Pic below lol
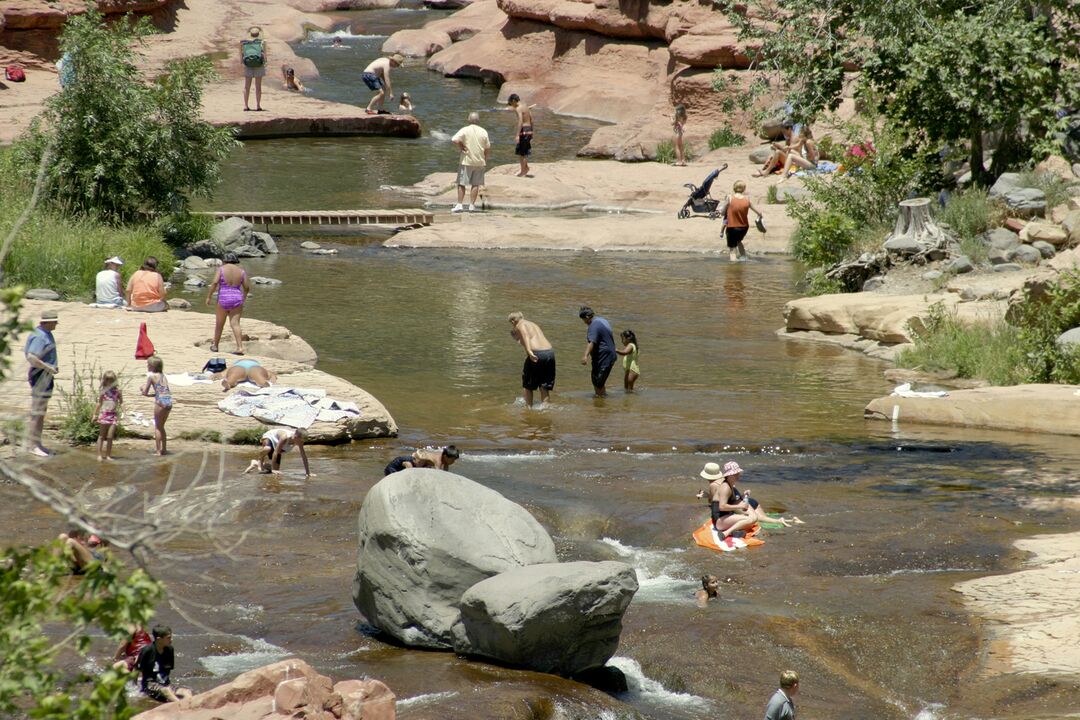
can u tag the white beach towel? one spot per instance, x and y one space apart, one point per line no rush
187 378
295 407
906 391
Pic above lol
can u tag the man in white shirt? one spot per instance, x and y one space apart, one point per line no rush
473 142
110 286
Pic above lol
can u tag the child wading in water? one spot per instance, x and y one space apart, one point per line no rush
163 402
631 371
677 130
107 412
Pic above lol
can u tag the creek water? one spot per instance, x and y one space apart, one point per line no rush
858 599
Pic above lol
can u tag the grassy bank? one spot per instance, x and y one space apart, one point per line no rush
64 254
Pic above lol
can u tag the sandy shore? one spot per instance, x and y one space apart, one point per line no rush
91 339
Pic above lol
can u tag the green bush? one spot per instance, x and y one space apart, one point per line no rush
665 152
80 426
823 238
248 436
180 229
969 214
771 195
829 149
212 436
988 352
1056 188
725 136
1041 319
64 254
119 145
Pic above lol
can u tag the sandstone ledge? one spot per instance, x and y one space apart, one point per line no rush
1051 409
90 338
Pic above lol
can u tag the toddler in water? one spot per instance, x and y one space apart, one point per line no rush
406 104
631 371
163 402
107 413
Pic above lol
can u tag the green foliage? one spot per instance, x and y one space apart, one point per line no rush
1041 319
823 238
38 591
180 229
213 436
725 136
123 146
770 195
80 426
248 436
989 352
816 283
1055 187
941 72
665 152
65 253
969 214
829 149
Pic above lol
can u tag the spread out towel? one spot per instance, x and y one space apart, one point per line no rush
295 407
707 537
906 391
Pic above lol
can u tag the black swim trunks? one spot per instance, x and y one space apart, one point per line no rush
539 374
600 371
524 143
735 236
397 464
373 81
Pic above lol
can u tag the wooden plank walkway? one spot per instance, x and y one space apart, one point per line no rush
408 216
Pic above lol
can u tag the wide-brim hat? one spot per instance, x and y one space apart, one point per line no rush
732 468
711 471
398 58
49 316
115 260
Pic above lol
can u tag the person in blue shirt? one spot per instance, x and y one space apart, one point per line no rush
40 354
600 346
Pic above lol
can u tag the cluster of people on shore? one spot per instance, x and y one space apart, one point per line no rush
601 353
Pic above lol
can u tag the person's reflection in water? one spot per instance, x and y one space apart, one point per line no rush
734 288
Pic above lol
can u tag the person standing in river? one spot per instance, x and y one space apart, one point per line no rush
737 221
781 706
599 347
539 368
472 140
377 77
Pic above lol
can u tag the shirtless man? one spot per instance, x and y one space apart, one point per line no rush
440 459
524 133
539 368
377 77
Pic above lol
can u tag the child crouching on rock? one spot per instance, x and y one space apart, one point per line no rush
275 443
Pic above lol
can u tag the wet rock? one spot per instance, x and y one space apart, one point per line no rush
559 618
932 275
206 249
193 262
1069 339
310 245
231 233
419 42
421 548
446 4
1025 254
41 294
323 251
1007 267
194 281
264 242
607 679
260 280
178 304
960 265
248 251
1044 248
1048 232
873 283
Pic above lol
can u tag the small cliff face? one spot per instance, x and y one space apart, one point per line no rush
624 62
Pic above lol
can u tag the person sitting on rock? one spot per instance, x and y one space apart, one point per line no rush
155 664
275 443
247 370
291 81
779 157
146 288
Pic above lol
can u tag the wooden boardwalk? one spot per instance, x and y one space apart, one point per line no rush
332 218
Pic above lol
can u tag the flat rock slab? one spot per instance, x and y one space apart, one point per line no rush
1027 408
92 340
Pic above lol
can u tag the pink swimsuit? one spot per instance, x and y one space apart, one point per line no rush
230 297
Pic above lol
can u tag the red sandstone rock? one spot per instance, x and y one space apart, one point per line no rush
477 17
422 42
638 19
33 14
314 6
710 51
286 689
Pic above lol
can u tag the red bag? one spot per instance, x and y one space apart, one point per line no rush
15 73
144 348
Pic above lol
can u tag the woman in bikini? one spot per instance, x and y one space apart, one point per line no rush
247 370
163 402
231 285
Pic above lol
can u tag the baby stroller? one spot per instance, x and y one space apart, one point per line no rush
700 203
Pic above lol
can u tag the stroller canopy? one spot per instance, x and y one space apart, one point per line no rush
703 191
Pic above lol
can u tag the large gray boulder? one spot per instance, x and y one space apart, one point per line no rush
265 242
1025 254
1070 339
1001 239
231 233
761 155
1006 183
427 536
557 618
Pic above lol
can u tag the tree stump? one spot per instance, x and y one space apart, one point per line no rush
915 223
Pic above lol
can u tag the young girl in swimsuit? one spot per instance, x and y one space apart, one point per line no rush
107 412
232 289
163 402
631 371
677 129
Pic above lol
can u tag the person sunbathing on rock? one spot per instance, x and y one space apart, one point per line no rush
247 370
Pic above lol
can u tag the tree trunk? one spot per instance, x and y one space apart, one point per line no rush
979 176
914 222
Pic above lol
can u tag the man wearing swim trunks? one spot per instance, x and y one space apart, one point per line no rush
377 77
524 133
600 346
539 368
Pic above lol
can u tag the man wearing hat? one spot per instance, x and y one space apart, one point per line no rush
728 512
377 77
40 353
110 286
